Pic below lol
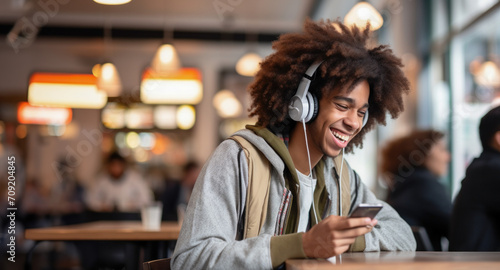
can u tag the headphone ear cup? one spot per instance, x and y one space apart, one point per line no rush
298 108
313 107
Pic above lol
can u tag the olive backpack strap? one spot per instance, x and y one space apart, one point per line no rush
345 183
259 180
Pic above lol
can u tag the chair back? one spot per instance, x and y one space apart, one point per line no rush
160 264
422 238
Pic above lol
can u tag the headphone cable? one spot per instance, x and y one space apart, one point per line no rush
340 183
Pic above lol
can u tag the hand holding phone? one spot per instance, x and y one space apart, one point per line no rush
366 210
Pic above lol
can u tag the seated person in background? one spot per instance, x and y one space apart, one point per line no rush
36 207
177 193
412 166
68 194
475 220
118 189
301 217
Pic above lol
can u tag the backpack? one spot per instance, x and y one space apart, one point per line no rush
259 180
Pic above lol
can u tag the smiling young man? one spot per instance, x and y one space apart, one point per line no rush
315 97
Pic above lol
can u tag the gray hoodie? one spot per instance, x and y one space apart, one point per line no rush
210 235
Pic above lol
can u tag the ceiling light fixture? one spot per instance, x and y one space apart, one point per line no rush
181 87
112 2
27 114
107 76
113 116
65 90
248 64
363 13
108 79
226 104
166 60
165 116
186 117
488 74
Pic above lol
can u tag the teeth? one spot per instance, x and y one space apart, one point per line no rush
343 138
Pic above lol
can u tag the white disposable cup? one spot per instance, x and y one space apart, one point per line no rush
151 216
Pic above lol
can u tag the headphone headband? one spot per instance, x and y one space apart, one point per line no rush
306 80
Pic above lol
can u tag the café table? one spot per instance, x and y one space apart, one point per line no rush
401 260
129 231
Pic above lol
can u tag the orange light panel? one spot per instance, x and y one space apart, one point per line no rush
65 90
181 87
27 114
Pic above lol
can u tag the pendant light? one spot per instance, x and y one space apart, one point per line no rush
363 13
166 60
181 87
487 73
249 63
227 104
108 79
112 2
65 90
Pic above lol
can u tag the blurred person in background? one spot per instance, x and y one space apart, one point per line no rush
177 193
475 223
412 166
67 194
36 207
118 189
118 194
156 178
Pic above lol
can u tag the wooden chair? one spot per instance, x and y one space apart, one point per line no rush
160 264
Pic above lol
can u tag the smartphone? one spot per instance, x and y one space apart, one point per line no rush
366 210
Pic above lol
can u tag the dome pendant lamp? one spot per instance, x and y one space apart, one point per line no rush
112 2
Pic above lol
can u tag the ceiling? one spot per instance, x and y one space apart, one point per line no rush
215 15
72 35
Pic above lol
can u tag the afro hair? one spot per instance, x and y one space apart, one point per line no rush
347 60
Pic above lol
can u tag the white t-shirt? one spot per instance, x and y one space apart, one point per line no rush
127 194
306 191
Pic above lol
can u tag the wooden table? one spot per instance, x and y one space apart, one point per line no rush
402 260
105 231
126 231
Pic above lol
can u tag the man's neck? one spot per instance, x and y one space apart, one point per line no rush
298 151
496 147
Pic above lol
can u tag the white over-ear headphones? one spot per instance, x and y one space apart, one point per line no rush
303 105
